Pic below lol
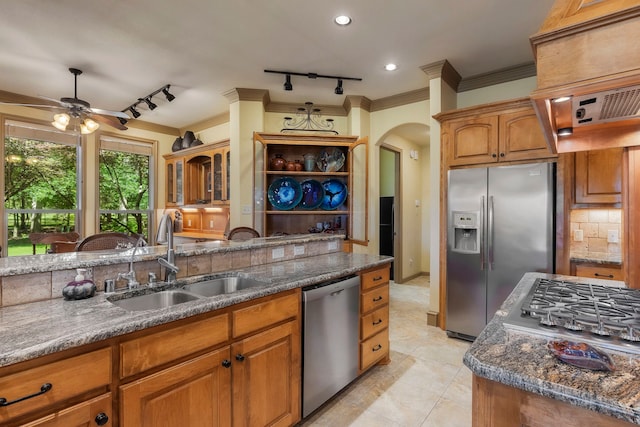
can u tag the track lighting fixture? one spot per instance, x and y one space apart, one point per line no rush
287 83
122 121
169 96
135 113
288 86
148 100
150 103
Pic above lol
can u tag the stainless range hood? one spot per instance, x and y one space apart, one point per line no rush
588 75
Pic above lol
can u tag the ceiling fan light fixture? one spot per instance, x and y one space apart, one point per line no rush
89 126
61 121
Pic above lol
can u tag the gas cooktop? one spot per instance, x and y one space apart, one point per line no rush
604 316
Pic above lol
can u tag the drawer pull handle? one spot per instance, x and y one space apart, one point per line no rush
610 276
45 388
375 279
377 322
378 298
376 348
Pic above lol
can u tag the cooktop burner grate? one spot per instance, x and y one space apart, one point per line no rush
603 315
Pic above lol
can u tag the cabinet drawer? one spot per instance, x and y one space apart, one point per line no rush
374 322
374 349
161 347
599 272
69 378
374 298
83 414
375 278
262 315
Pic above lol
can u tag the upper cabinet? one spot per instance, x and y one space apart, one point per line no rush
314 183
198 175
598 178
491 133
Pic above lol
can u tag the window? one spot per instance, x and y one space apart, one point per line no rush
41 191
126 174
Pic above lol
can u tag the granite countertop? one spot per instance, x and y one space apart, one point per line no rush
596 257
522 360
31 330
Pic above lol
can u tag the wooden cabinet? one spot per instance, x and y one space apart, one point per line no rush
598 177
374 316
349 217
94 412
492 133
193 393
598 271
198 175
54 385
250 375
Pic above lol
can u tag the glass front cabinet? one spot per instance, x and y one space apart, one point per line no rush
311 184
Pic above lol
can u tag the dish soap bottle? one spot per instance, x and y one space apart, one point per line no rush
81 287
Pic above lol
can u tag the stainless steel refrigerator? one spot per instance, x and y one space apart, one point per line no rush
500 226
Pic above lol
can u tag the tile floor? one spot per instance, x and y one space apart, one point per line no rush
426 384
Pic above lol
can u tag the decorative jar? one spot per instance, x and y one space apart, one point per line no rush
277 163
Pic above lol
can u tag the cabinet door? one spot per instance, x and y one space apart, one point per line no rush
598 176
175 182
193 393
472 141
359 192
266 377
220 170
521 137
94 412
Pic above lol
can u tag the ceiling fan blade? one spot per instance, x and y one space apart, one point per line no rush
109 121
32 105
119 114
57 101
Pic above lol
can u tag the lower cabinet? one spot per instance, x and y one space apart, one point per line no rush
253 379
193 393
374 316
598 271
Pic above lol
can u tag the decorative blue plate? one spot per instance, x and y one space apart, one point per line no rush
284 193
335 193
312 194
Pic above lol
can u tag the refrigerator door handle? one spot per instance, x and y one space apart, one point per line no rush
481 229
490 233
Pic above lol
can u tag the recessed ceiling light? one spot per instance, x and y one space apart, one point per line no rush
390 67
342 20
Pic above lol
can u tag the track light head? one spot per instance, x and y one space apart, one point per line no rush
149 103
339 90
135 113
166 93
287 83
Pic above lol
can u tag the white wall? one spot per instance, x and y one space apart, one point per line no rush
500 92
387 173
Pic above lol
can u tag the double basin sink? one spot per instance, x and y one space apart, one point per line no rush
156 299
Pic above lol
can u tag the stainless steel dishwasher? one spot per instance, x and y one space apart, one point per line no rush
331 312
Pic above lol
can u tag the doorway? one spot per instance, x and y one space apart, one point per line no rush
389 206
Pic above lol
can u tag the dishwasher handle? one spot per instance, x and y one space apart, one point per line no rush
330 288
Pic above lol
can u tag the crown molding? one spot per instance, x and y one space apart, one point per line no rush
152 127
245 94
443 69
503 75
356 101
400 99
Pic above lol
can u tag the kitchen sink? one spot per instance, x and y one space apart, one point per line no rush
154 300
222 285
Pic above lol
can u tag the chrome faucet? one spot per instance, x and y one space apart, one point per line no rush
130 276
171 269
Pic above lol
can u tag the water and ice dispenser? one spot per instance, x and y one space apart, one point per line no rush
466 230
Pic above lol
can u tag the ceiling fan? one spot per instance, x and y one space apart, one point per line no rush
79 109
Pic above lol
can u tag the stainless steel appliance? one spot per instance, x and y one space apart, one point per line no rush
500 226
331 313
603 316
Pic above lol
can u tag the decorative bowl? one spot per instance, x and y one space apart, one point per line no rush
312 194
330 160
335 193
284 193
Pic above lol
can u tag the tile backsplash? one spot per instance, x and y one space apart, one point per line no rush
596 230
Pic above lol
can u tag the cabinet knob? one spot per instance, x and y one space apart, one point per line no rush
494 155
226 363
239 357
102 419
501 154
